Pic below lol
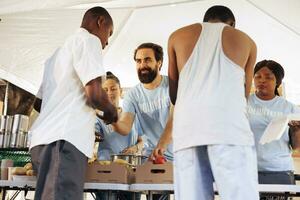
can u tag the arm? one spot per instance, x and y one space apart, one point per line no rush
165 138
140 144
137 148
173 73
124 125
249 68
97 98
294 133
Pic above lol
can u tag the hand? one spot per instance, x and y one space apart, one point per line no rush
110 119
159 160
130 150
157 152
98 138
294 123
294 126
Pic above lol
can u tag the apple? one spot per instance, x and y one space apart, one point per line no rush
159 160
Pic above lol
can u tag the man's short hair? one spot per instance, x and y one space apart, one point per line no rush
218 12
158 50
95 13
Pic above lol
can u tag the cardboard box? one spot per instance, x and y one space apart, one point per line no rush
113 173
154 173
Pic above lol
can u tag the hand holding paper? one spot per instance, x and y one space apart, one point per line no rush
276 128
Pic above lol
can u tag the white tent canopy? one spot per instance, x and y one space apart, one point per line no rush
31 31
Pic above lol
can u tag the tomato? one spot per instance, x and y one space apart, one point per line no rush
159 160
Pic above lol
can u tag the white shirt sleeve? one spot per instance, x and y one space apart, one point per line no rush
88 60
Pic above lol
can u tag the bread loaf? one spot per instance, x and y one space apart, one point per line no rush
28 166
121 161
30 172
18 171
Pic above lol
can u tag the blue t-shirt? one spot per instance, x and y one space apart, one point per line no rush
151 109
276 155
113 142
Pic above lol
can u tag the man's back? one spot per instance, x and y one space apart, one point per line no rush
213 142
211 66
236 44
62 91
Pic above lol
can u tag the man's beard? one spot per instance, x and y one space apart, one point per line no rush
147 77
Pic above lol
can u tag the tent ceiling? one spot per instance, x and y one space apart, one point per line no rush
28 38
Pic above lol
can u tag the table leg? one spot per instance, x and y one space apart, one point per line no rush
150 195
3 193
15 195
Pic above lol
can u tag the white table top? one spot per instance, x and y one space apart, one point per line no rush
100 186
7 183
145 187
278 188
154 187
107 186
262 187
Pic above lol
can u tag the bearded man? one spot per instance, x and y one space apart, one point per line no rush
148 101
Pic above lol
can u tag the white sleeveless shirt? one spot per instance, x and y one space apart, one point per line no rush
211 104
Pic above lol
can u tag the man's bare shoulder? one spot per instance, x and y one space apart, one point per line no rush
238 34
186 31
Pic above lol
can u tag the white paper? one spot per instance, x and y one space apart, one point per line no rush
276 128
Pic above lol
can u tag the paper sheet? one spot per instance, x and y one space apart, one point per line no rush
277 127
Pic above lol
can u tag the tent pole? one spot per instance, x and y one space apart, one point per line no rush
5 103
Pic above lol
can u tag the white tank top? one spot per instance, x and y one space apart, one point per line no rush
211 103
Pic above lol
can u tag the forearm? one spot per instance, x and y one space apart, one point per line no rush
140 143
121 127
102 103
295 138
97 99
166 137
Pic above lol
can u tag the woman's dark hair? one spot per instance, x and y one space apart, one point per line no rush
158 50
110 75
275 68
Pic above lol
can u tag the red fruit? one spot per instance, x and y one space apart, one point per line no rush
159 160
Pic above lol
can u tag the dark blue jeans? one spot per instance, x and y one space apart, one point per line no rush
117 195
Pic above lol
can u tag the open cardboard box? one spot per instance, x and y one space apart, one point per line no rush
154 173
112 173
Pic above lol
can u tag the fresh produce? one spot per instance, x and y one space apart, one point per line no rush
104 162
159 160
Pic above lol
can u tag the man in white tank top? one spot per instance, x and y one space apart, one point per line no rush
210 74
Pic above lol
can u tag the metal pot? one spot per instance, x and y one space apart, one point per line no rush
130 158
6 127
20 123
19 131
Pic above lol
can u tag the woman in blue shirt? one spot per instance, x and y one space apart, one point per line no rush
275 163
112 142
